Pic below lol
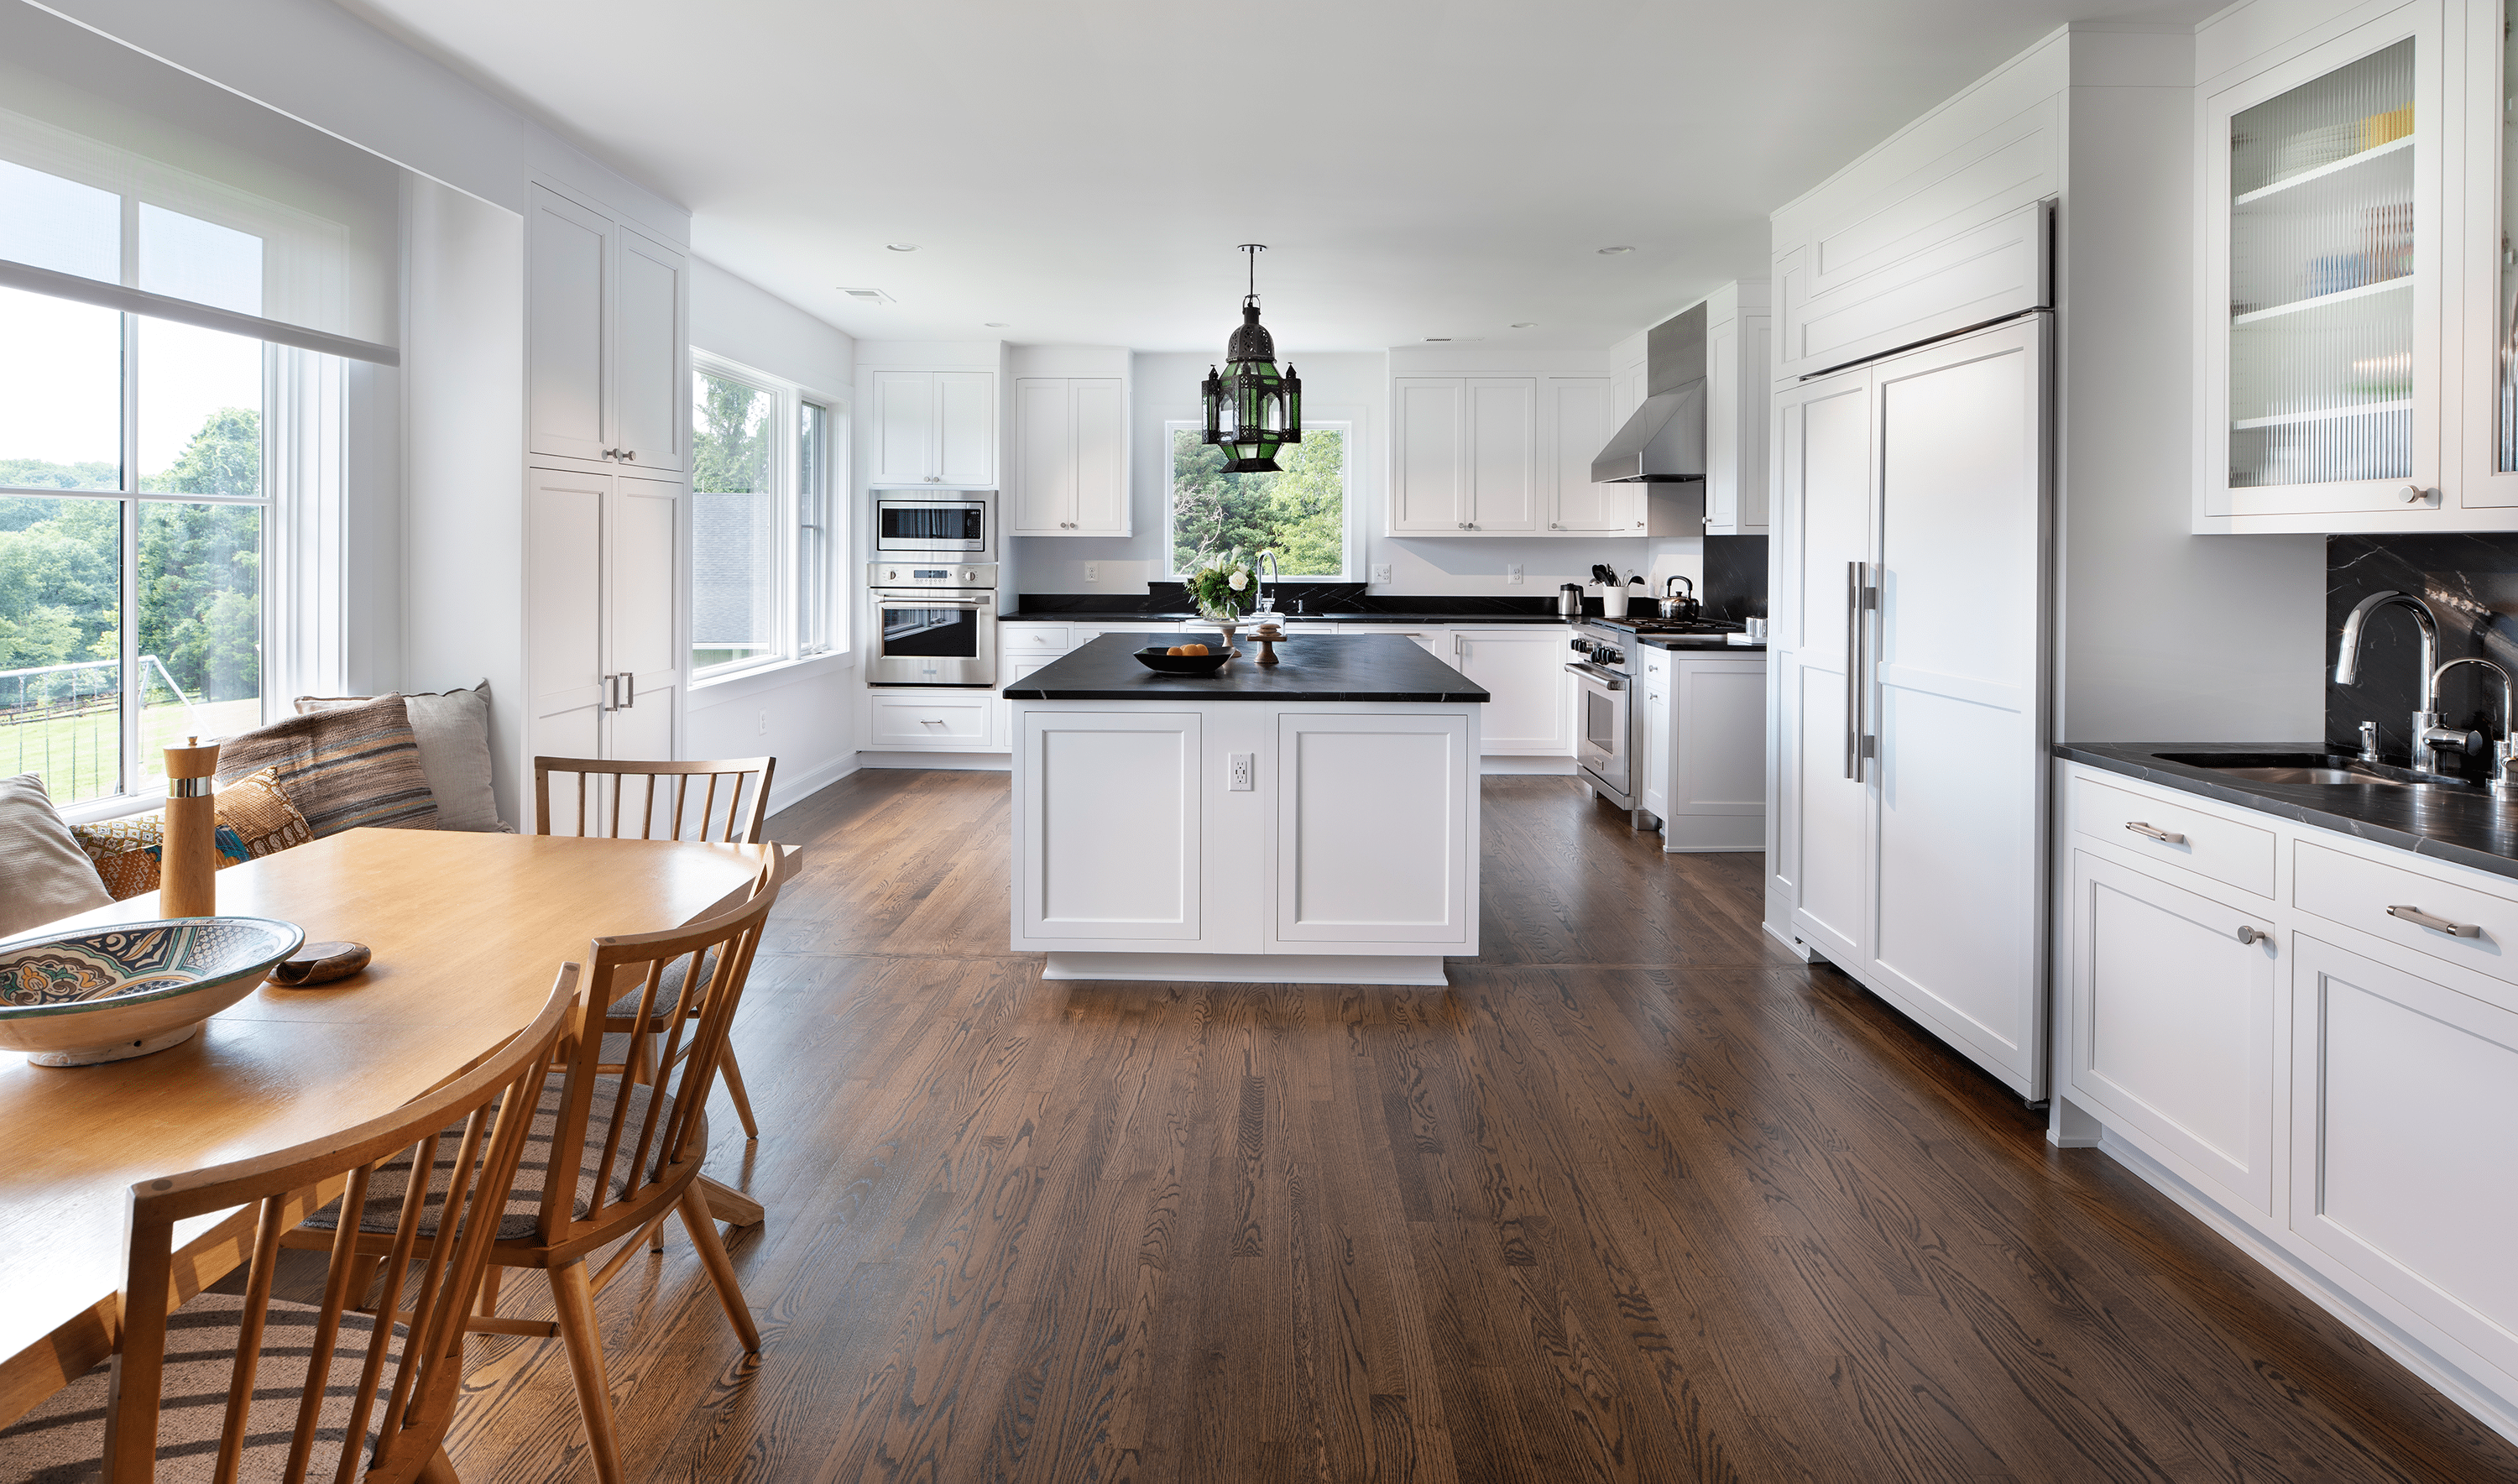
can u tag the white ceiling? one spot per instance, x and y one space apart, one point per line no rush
1083 169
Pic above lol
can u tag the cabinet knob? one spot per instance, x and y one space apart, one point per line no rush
1640 522
2415 494
628 456
2250 935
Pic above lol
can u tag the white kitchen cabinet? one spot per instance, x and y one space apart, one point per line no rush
1714 783
606 355
2170 996
932 427
1464 455
1653 693
1579 425
1735 410
1071 457
1523 669
2325 238
603 652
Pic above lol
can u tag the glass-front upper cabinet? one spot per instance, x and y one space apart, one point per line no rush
2323 258
2489 313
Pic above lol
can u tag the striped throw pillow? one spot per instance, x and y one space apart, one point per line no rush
354 766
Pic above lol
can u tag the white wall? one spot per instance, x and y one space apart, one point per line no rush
1352 386
464 345
802 714
2163 634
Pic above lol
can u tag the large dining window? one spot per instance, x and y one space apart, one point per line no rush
764 527
135 519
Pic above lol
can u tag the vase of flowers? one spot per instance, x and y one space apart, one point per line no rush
1225 587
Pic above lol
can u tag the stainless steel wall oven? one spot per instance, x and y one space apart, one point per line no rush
933 625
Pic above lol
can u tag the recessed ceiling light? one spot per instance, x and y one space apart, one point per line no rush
1438 339
900 246
1609 253
869 295
1525 324
993 325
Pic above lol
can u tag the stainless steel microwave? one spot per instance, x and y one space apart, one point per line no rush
928 525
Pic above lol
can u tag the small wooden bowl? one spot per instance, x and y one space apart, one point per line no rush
320 964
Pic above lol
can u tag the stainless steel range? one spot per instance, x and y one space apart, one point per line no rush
1608 730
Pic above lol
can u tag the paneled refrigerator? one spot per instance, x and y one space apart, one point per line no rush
1910 646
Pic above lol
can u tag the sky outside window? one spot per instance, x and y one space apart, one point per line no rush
48 222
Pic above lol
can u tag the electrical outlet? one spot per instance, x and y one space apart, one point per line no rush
765 720
1513 572
1092 572
1241 768
1381 574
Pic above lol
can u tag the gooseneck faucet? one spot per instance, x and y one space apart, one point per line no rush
1268 579
2428 736
2505 750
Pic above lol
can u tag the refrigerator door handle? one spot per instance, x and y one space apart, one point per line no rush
1854 670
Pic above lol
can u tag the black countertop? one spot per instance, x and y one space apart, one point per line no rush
1291 621
1325 667
2465 826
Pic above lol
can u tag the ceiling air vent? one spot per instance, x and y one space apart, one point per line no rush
869 295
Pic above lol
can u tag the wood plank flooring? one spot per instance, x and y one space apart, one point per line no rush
1640 1197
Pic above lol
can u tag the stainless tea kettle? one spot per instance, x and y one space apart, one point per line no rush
1675 605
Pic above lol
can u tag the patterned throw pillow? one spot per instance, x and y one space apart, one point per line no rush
357 767
255 819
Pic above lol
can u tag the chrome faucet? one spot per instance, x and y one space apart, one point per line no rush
1268 579
2505 750
2428 736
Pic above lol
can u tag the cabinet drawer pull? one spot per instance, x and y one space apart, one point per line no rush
2251 934
2421 919
2147 832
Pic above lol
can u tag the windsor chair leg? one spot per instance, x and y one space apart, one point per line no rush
575 1295
735 1089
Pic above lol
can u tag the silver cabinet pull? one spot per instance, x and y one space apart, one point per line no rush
2164 836
1853 663
2250 935
2421 919
630 683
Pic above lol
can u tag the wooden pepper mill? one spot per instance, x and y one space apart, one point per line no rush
188 861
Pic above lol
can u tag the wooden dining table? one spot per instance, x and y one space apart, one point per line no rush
468 931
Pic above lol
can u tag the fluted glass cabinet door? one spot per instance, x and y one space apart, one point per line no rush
2489 316
2325 252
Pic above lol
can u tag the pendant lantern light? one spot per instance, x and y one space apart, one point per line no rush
1251 409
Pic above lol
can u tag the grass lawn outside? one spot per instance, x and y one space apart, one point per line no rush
79 756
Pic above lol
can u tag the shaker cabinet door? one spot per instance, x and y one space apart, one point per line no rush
648 392
568 352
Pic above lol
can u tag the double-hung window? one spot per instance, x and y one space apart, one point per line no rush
136 492
764 527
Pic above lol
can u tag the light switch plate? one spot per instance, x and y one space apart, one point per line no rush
1513 572
1092 572
1381 574
1242 766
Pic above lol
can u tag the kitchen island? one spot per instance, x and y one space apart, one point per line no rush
1315 821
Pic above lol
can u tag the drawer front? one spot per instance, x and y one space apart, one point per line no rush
2357 892
1034 638
2228 851
961 721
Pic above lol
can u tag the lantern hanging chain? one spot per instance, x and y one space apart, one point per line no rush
1254 249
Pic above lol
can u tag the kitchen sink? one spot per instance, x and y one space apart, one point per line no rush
2320 769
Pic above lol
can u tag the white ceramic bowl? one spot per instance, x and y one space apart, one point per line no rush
103 994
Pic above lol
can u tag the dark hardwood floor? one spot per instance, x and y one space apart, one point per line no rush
1640 1197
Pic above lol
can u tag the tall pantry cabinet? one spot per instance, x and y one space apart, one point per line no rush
607 367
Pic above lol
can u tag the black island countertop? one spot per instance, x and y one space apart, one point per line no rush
1290 620
1321 667
2463 825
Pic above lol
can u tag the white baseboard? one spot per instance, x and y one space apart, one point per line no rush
1504 762
792 789
1800 949
2450 1381
1251 968
967 763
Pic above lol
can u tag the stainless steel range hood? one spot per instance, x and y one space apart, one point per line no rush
1664 442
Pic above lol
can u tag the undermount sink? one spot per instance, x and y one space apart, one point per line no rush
2320 769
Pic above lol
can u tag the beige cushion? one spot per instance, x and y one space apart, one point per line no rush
454 731
358 765
44 875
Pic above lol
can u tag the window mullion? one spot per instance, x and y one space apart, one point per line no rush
127 609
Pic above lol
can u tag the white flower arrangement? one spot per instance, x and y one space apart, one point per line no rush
1222 586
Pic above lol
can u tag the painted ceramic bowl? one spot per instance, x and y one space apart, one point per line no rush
103 994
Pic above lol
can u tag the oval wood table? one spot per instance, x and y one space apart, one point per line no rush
468 931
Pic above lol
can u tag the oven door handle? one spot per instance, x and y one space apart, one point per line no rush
1609 679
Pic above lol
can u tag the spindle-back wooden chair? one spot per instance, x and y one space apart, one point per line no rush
211 1385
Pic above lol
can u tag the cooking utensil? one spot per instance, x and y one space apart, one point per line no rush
1678 605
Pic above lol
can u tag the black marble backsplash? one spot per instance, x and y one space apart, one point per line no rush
2471 582
1315 597
1735 577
